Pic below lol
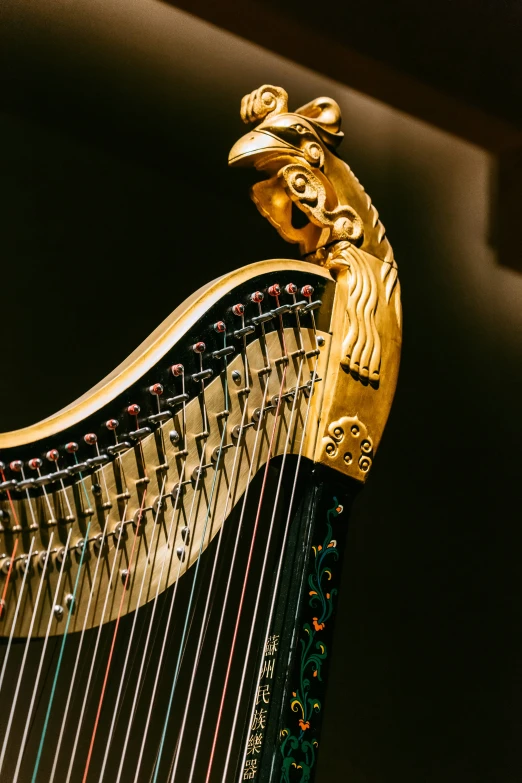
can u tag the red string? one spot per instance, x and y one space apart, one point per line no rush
234 638
4 593
109 661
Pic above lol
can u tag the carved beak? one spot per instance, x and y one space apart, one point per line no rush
254 146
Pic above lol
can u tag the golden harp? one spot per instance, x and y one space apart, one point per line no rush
171 541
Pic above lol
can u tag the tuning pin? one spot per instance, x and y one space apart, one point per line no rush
133 409
53 455
199 347
177 370
220 326
16 466
90 438
274 290
112 424
238 309
291 288
307 290
156 389
71 447
35 463
257 297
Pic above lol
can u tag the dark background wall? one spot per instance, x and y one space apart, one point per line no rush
116 203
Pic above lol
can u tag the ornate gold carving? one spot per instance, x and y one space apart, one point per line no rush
264 103
313 199
348 444
308 136
361 347
308 192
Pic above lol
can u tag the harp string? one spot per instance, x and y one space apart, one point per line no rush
46 496
230 570
104 477
26 650
272 526
183 643
85 619
266 358
172 770
28 496
197 566
40 665
189 523
270 533
8 578
78 653
13 555
171 608
64 494
120 609
283 546
96 646
203 625
142 671
115 634
35 608
249 559
20 596
108 740
208 608
64 637
17 610
228 585
162 652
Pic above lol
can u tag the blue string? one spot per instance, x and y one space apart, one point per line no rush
59 663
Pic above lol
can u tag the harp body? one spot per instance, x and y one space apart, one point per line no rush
166 600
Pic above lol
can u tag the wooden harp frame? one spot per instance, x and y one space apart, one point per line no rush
304 352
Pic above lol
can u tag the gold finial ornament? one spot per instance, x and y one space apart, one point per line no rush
313 199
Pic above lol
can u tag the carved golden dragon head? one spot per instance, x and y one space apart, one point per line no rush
313 199
310 195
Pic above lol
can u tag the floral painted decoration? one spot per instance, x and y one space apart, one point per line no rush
299 751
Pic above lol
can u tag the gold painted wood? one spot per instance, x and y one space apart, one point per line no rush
148 354
340 230
363 367
123 476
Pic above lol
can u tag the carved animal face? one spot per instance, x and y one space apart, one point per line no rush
309 195
279 137
275 144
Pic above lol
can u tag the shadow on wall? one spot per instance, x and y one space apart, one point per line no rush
117 204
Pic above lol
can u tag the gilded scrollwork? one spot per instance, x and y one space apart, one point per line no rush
348 442
308 192
264 103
